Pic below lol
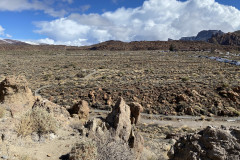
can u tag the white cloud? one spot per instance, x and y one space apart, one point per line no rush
3 34
20 5
154 20
2 31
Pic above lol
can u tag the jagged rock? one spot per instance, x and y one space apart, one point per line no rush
119 119
203 35
210 143
115 134
232 39
136 110
136 142
15 95
81 109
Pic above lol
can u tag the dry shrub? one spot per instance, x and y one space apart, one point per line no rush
85 150
37 120
112 148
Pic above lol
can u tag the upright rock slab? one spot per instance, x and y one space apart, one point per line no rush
119 119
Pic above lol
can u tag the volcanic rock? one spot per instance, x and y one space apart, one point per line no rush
210 143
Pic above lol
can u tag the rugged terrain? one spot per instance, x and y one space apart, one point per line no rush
172 87
203 35
229 39
163 82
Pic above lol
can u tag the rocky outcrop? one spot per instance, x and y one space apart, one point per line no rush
81 109
119 119
232 39
210 143
203 35
117 132
15 95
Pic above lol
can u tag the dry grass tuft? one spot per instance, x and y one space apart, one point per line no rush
85 150
37 120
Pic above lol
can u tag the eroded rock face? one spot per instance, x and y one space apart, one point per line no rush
81 109
211 143
119 119
16 95
117 132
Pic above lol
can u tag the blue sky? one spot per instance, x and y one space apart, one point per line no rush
84 22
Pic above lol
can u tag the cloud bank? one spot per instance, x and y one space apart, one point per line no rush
154 20
43 5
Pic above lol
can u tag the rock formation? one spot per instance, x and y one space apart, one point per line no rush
203 35
15 95
210 143
119 119
232 39
136 110
116 132
81 109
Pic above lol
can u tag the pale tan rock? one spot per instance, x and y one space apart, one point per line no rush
81 109
15 93
119 119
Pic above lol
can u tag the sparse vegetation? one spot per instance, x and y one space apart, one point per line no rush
84 150
37 120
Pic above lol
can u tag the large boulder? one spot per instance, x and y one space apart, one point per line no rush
81 109
136 110
119 119
15 95
210 143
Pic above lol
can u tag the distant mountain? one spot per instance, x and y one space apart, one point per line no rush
203 35
11 42
232 39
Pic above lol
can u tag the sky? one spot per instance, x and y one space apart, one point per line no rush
86 22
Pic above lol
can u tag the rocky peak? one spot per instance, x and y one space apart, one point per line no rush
203 35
